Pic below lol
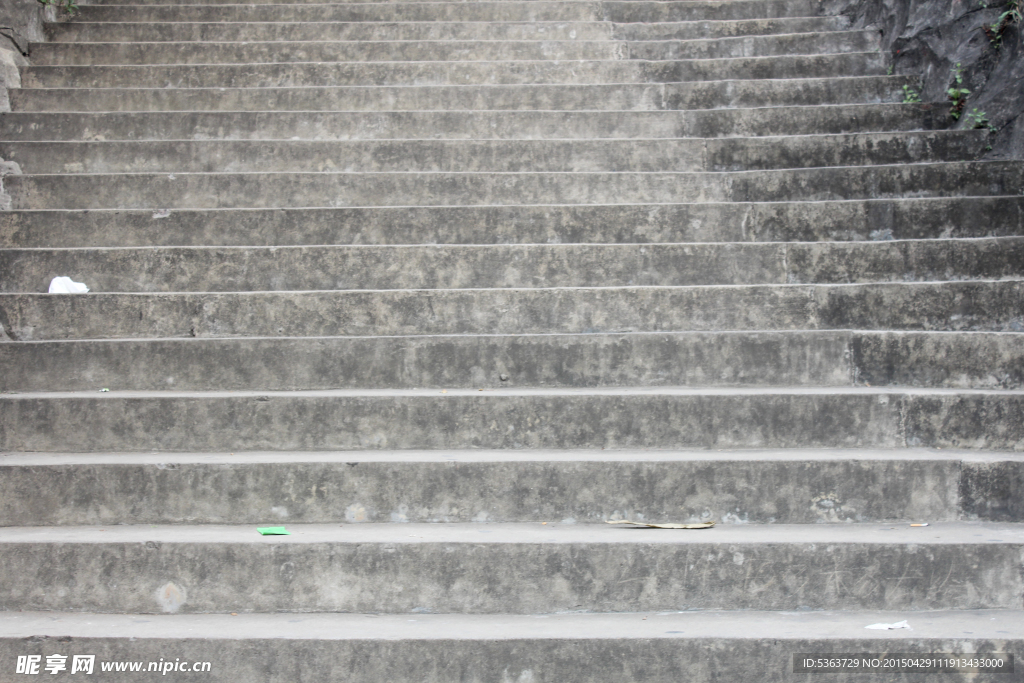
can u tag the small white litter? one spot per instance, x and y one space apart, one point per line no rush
890 627
65 285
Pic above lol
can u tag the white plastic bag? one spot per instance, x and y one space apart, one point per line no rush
65 285
890 627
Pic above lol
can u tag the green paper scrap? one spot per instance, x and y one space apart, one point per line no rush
273 531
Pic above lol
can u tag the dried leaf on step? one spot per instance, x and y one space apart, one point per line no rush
699 525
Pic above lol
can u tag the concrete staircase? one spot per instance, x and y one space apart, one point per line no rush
444 286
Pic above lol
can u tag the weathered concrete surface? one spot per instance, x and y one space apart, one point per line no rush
800 358
117 32
607 10
874 219
469 125
646 155
473 568
358 156
938 360
708 359
524 418
927 39
992 489
334 189
457 267
783 487
447 73
524 97
702 647
926 306
512 391
221 52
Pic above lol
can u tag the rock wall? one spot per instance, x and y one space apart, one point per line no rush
929 37
20 22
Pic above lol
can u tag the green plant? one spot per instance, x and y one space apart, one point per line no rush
69 6
979 119
888 72
1013 15
910 96
956 93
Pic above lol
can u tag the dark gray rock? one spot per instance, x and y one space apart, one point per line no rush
929 39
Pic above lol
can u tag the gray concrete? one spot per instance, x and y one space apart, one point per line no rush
525 97
116 32
799 486
334 188
385 271
448 73
513 418
702 647
652 155
518 568
164 52
492 11
874 220
506 266
797 358
950 306
470 125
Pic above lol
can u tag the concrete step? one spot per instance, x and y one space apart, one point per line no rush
626 11
452 73
848 220
778 487
469 125
80 54
225 269
108 32
621 417
274 190
510 568
959 360
363 156
565 97
652 155
955 306
550 648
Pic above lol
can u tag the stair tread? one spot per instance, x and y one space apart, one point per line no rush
838 626
964 533
524 392
541 455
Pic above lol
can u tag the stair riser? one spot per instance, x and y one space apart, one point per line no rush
961 361
870 89
273 156
357 156
275 190
78 54
783 221
597 659
516 125
519 578
450 73
437 267
338 422
535 10
86 32
732 491
947 306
